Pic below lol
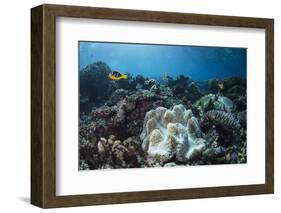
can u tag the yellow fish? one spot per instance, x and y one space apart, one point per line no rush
165 76
220 86
116 76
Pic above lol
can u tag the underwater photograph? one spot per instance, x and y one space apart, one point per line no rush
156 105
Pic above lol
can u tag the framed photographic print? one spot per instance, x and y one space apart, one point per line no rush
136 106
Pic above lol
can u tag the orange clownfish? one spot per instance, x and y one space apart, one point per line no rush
117 76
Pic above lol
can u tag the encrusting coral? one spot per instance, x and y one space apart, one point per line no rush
172 133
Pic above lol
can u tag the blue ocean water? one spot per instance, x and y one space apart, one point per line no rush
199 63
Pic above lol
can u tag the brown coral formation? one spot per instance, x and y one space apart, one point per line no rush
110 153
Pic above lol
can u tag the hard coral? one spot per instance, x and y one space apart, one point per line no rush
94 83
216 102
223 120
110 153
184 88
124 118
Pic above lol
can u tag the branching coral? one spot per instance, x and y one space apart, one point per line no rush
172 133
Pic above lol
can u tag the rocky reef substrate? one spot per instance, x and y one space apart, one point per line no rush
141 122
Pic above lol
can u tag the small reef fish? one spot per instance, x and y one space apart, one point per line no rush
165 76
220 86
117 76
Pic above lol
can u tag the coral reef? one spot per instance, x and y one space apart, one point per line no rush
172 133
216 102
123 113
231 86
148 122
110 153
184 88
223 120
149 83
96 88
117 96
94 85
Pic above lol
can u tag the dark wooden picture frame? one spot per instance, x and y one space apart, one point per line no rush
43 105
